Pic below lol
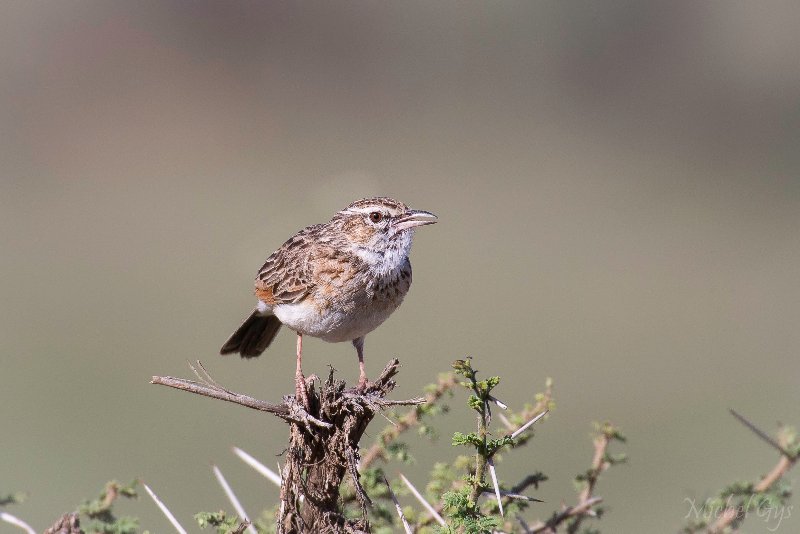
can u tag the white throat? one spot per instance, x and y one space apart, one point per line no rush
390 261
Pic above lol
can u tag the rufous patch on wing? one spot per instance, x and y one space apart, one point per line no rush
264 293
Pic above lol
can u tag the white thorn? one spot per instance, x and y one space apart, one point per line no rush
17 522
524 427
422 500
232 497
406 526
268 473
164 510
493 472
498 402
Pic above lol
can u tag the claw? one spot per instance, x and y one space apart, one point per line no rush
363 384
300 386
300 391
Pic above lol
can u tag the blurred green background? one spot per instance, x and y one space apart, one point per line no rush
618 190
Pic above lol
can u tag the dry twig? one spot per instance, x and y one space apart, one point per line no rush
578 510
586 501
323 444
786 462
411 418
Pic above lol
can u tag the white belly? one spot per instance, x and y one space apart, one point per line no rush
360 305
335 325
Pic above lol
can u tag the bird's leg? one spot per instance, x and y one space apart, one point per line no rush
358 343
301 393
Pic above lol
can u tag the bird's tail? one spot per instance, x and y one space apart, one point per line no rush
253 337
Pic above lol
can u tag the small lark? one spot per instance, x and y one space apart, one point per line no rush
336 281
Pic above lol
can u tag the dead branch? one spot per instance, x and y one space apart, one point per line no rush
217 392
586 500
323 444
785 463
579 510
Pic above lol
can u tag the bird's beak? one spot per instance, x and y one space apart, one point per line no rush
414 218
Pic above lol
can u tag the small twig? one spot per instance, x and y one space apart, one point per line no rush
399 509
387 419
268 473
233 499
384 379
422 500
528 481
568 512
480 459
299 414
585 498
512 495
389 402
206 377
17 522
506 423
758 432
163 507
281 410
352 467
599 464
200 377
284 476
785 463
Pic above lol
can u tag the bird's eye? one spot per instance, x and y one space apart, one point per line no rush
376 216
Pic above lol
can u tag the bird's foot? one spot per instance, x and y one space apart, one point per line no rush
301 391
363 384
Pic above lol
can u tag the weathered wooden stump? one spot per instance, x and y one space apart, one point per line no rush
323 445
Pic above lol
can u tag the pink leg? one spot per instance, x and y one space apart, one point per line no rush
299 380
358 343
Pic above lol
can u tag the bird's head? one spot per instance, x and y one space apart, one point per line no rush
381 225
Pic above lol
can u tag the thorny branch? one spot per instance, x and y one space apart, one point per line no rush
586 501
578 510
323 444
785 463
444 384
599 464
288 411
216 392
544 403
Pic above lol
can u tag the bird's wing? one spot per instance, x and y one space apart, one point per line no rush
286 276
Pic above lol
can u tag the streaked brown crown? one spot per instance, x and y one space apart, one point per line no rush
353 221
390 205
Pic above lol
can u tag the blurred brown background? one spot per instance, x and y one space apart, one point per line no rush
618 192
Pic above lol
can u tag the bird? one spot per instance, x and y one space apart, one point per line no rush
336 281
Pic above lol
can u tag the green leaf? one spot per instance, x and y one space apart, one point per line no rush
475 403
467 439
12 498
221 521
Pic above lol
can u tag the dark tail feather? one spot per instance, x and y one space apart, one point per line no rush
253 337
